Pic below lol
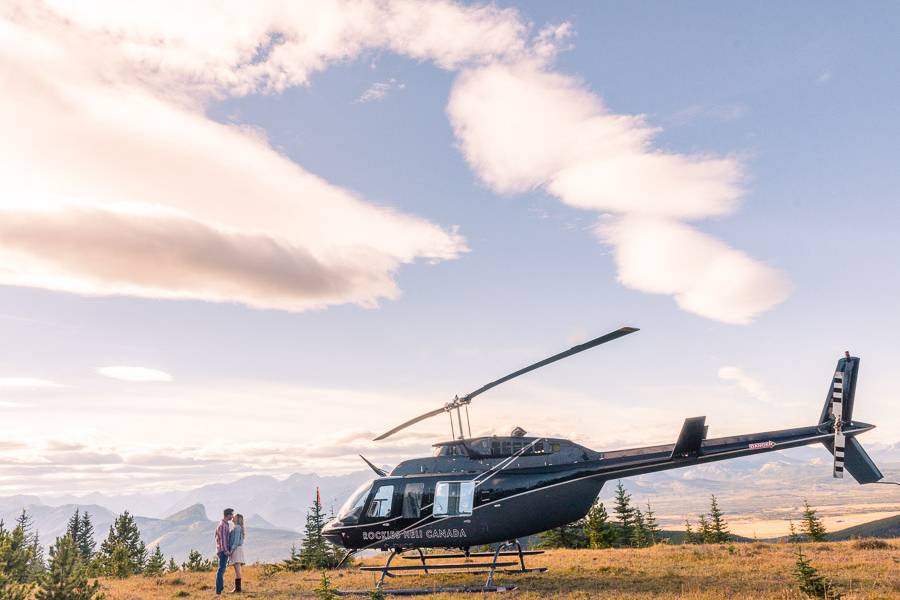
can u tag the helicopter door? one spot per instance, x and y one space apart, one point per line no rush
412 500
454 498
382 501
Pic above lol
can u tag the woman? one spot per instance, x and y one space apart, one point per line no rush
236 539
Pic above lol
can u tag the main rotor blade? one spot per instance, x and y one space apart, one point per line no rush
573 350
468 397
427 415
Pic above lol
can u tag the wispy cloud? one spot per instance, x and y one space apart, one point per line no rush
379 90
27 383
752 386
138 374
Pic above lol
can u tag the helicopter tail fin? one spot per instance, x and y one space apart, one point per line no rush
848 453
842 391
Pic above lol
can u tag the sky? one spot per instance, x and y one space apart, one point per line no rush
241 239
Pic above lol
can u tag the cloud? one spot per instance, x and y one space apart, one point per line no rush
85 458
522 126
742 380
149 197
61 446
27 383
379 90
703 274
139 374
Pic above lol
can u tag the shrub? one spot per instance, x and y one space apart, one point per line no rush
871 544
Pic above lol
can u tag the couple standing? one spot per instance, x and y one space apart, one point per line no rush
230 548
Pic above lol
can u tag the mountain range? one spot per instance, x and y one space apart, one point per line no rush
769 486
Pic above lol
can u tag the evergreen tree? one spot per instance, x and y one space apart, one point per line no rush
793 536
17 559
73 527
294 563
571 535
86 543
325 591
172 566
651 525
597 527
315 551
810 581
719 533
690 537
156 564
639 533
624 515
811 525
196 563
80 529
14 583
122 552
32 540
704 531
694 536
66 578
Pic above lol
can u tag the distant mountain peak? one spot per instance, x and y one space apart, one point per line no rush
191 514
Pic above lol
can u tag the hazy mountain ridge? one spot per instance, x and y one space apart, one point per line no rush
178 534
768 486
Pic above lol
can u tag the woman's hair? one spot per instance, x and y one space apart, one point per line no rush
239 520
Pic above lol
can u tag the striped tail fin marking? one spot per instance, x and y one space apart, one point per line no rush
837 402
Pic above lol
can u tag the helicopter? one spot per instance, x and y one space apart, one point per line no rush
478 491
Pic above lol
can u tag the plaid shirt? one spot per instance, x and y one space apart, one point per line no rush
222 536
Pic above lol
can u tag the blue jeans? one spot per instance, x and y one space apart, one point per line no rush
220 574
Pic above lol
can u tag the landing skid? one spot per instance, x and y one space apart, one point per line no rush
491 568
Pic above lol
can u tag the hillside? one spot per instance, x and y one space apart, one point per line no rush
743 572
888 527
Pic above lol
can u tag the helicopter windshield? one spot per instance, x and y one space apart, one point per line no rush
353 507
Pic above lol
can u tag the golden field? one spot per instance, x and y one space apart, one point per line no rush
740 571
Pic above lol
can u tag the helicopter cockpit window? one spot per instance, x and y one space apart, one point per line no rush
380 506
352 509
412 499
454 498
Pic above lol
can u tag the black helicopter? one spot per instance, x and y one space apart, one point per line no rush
484 490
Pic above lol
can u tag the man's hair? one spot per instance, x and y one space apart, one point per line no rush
228 512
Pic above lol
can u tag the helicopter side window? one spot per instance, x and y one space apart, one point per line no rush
412 499
450 450
454 498
380 506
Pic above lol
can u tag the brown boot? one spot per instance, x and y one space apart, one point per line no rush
237 586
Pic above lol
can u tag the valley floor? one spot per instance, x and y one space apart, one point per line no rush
741 571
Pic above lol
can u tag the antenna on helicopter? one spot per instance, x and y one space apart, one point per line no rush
463 402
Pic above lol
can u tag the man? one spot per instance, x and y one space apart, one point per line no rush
223 548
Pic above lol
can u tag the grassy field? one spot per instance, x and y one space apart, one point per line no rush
745 571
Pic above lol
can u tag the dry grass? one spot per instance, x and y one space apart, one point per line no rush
741 571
